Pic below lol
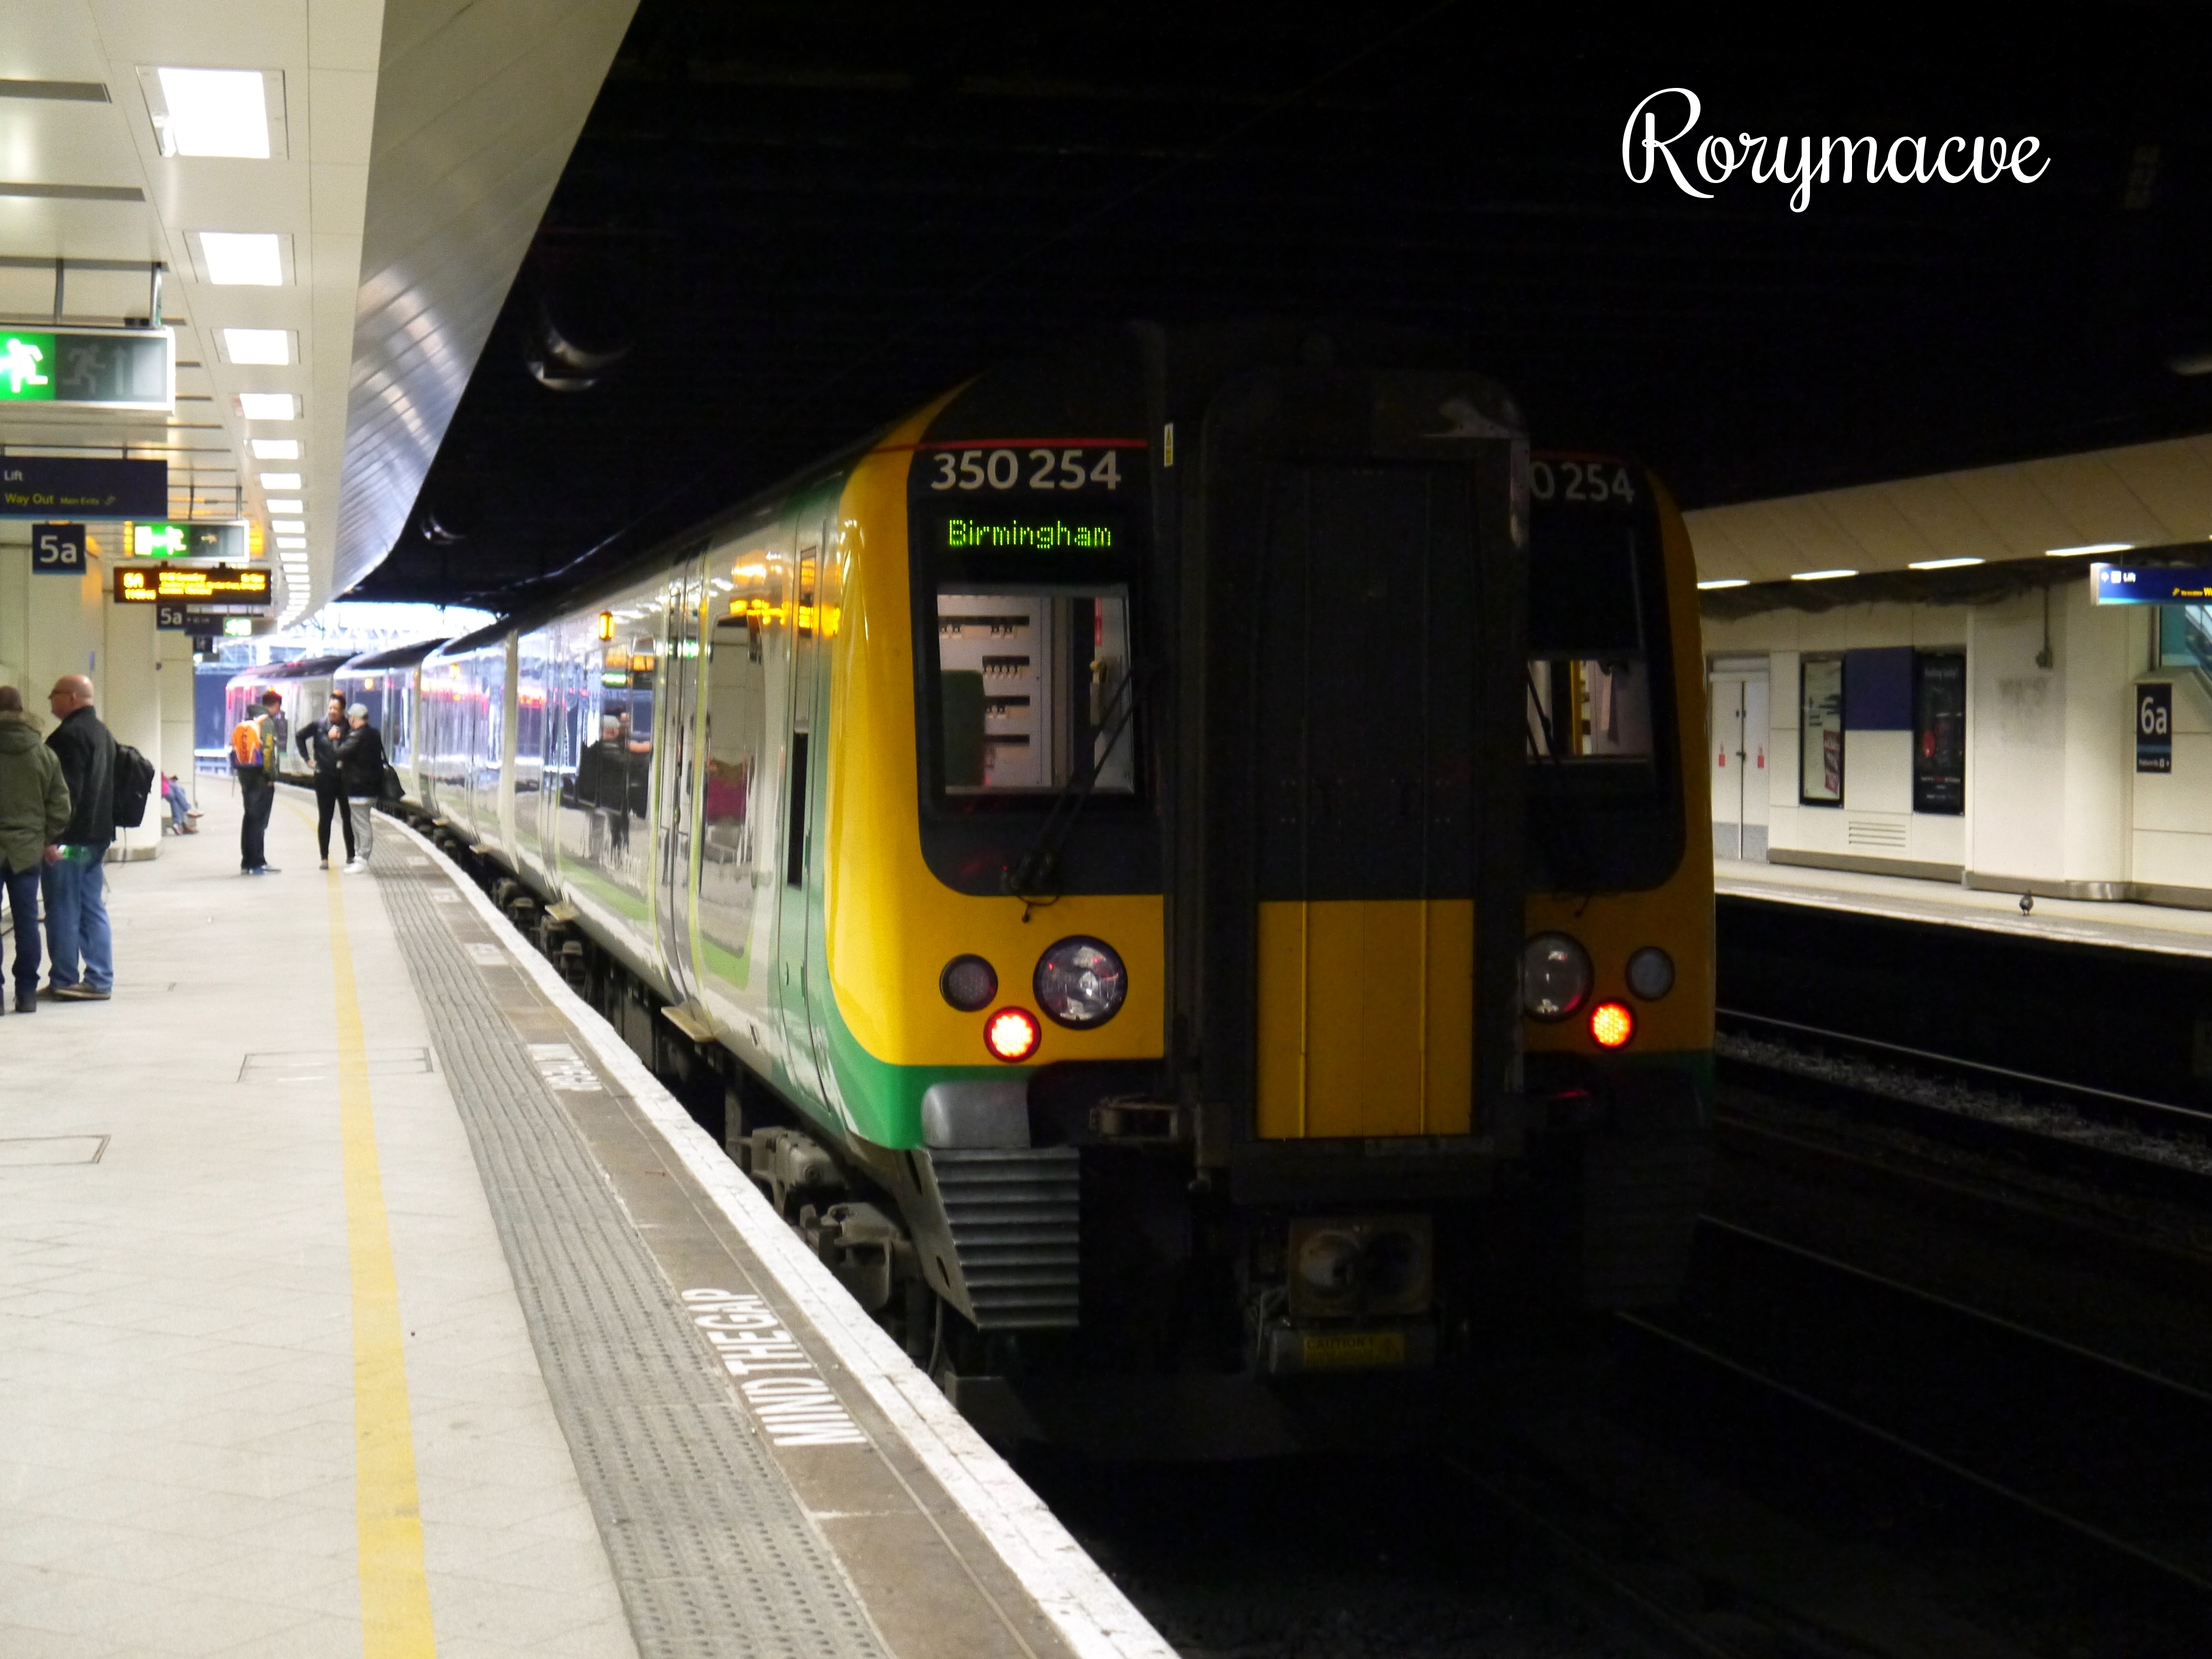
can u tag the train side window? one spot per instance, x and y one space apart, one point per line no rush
1035 691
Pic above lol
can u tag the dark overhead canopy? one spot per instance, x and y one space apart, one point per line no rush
786 223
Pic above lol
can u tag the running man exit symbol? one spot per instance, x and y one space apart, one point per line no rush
19 361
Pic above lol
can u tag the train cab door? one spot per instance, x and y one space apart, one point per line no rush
798 941
675 776
1364 782
1738 712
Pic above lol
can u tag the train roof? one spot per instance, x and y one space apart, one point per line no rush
490 634
398 656
299 668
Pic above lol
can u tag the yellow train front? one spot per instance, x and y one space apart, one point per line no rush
1175 866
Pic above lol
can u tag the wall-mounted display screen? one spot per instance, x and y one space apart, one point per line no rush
1820 731
1938 731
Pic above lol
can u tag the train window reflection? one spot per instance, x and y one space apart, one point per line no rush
1588 709
1034 690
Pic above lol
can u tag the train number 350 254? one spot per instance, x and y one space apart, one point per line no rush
1034 469
1580 481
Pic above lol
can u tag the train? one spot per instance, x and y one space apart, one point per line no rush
1178 866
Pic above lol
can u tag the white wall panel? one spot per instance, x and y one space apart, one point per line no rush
1877 771
2016 742
2099 736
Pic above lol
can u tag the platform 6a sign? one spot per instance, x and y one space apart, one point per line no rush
2153 728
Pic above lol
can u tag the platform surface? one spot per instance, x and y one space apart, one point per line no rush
360 1295
2120 924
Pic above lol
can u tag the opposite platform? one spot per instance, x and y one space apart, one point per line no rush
2119 925
359 1295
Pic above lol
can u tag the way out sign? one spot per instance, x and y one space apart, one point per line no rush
2153 728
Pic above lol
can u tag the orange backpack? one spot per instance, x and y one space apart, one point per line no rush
246 744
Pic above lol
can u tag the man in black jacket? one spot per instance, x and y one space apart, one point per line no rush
319 747
78 943
361 769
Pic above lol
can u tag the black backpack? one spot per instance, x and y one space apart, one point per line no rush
133 787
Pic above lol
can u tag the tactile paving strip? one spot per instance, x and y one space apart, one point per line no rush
710 1548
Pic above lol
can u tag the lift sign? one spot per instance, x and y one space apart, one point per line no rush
2153 728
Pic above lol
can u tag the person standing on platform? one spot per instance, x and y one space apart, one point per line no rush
82 965
361 769
255 747
319 747
34 810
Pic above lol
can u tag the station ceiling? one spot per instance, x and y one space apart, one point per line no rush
786 223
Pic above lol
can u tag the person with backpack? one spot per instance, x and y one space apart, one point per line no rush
361 769
257 744
319 747
35 811
79 942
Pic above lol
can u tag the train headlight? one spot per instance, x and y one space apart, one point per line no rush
1555 977
969 984
1651 973
1612 1024
1011 1035
1081 983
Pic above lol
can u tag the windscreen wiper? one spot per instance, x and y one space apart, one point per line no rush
1034 877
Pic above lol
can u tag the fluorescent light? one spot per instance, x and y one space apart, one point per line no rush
269 405
1942 564
276 449
280 481
1723 581
289 527
2093 547
1819 575
284 543
242 259
214 113
258 345
286 506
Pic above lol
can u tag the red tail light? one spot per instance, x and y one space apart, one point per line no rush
1612 1024
1011 1035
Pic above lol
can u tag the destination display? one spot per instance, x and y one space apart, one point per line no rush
234 587
2118 584
52 486
90 368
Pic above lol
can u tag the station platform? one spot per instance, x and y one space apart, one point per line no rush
359 1295
2119 925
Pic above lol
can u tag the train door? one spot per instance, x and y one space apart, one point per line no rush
675 811
1737 706
1363 781
796 920
740 644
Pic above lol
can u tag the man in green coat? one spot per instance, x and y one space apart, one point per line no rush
34 810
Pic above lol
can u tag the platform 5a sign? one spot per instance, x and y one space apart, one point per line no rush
2153 728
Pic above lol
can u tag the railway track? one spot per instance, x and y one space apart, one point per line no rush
2055 1498
2153 1148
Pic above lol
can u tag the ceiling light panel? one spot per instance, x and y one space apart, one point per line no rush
287 504
288 544
280 481
2090 547
1723 581
289 527
1820 575
234 112
269 405
243 259
276 449
256 345
1943 564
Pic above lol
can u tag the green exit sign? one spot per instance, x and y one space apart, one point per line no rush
187 541
90 367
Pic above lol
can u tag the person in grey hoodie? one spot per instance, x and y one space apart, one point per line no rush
34 810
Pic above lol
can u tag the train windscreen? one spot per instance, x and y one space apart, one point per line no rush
1603 776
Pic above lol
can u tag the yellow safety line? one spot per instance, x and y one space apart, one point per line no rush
395 1592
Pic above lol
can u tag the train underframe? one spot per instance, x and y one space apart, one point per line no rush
1358 1303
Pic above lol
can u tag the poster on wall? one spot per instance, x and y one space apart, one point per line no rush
1820 749
2153 728
1938 731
